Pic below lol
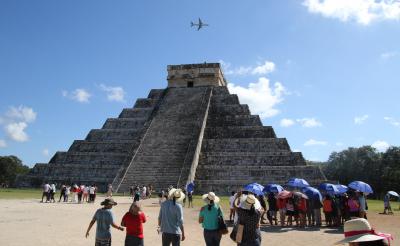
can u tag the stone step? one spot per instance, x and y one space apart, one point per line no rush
124 123
135 113
145 103
239 132
125 147
102 135
156 93
59 156
234 120
255 160
170 135
227 109
96 158
225 99
217 91
245 145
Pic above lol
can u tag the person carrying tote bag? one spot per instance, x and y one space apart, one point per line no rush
248 227
210 218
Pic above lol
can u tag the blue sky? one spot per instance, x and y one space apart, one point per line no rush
324 74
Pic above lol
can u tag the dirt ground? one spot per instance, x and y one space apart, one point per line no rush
28 222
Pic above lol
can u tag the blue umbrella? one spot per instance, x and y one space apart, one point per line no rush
342 188
190 187
275 188
361 186
298 183
254 188
312 193
329 188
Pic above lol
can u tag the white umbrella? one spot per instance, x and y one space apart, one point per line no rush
393 193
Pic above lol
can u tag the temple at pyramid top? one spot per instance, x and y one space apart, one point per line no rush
194 130
194 75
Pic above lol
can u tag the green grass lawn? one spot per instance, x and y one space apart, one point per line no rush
10 193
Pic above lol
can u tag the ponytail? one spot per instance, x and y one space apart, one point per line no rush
252 209
174 200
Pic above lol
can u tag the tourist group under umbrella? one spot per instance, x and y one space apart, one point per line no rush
301 188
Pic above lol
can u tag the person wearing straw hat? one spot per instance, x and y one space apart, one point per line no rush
105 219
208 217
358 232
249 218
170 219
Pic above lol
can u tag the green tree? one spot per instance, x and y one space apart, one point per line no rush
10 167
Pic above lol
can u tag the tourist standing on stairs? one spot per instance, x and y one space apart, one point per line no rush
209 219
170 219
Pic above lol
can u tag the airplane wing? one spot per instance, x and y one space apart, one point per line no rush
200 22
199 27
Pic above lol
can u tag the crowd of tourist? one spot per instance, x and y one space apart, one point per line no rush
70 193
246 215
296 209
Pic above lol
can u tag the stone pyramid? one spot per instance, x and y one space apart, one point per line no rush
194 130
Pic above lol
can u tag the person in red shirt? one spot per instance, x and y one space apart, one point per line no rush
302 207
281 204
133 221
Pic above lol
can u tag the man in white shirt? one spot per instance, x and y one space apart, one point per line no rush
92 191
46 192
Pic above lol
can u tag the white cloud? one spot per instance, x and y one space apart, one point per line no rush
260 96
15 122
79 95
313 142
45 152
361 11
16 131
265 68
116 94
21 113
380 145
287 122
388 55
309 122
359 120
3 143
261 69
392 121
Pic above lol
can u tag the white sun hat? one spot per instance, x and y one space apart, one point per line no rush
210 197
359 230
177 194
246 201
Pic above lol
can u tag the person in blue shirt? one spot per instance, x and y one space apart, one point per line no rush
105 219
208 217
170 219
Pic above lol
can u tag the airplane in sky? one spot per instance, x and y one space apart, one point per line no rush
199 25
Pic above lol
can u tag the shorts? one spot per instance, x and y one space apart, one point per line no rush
103 242
290 213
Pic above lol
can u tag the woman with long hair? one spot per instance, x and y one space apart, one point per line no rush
133 221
